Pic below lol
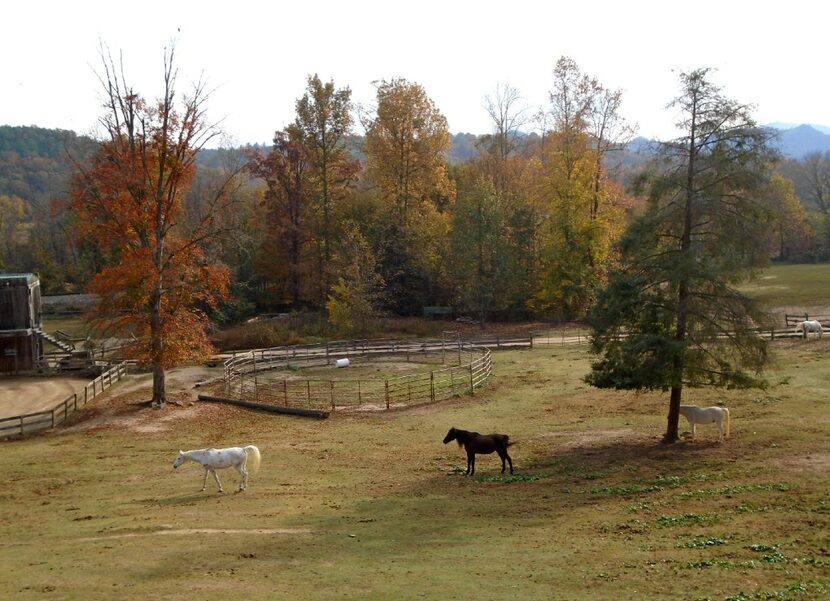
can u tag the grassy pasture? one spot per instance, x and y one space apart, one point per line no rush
796 287
373 506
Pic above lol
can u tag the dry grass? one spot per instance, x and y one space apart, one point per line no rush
374 506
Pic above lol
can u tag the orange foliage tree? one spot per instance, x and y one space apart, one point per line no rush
158 282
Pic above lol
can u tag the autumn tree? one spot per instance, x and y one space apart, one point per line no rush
671 315
579 207
356 295
13 213
405 146
811 176
790 222
158 284
406 167
507 116
286 198
483 267
321 127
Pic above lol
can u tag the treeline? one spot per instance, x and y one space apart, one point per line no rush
499 226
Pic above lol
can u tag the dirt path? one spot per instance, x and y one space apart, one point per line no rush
19 396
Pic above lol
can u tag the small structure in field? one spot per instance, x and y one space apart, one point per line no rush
21 331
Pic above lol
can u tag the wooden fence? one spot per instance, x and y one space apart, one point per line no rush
49 418
790 320
464 367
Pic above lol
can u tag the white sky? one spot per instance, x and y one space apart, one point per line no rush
257 55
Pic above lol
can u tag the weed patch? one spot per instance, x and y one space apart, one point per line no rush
791 592
702 543
734 490
684 519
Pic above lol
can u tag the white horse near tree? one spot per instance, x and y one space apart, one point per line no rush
213 459
805 327
706 415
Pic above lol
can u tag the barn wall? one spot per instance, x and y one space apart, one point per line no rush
17 353
20 321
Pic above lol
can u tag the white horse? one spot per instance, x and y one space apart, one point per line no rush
213 459
706 415
811 325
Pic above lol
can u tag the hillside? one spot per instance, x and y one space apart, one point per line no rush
798 142
35 163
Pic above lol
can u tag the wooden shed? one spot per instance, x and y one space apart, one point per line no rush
21 346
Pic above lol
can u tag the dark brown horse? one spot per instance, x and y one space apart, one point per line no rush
483 444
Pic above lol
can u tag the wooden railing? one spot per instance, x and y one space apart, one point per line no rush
465 367
38 421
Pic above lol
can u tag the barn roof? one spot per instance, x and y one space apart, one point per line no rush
18 279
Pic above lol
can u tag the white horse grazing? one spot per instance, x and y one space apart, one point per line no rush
811 325
213 459
706 415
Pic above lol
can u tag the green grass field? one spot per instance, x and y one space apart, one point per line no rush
375 507
806 286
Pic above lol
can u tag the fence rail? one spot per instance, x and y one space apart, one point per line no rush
791 320
464 367
38 421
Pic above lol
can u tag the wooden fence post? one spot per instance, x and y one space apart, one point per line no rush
256 380
472 386
432 385
386 386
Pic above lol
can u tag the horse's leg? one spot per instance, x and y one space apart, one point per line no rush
204 482
720 428
243 483
694 424
216 477
509 460
471 463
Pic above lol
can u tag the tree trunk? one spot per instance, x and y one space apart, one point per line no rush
679 360
157 349
674 416
159 395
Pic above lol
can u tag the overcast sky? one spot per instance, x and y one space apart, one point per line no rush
257 55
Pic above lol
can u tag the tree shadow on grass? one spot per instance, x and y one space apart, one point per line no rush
186 499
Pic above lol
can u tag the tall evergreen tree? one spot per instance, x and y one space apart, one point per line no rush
671 315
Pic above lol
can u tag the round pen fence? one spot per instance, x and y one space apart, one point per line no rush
454 368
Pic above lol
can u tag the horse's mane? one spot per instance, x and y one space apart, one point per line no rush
462 436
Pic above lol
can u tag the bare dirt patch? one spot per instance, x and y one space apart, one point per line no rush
124 406
814 462
19 396
585 438
189 531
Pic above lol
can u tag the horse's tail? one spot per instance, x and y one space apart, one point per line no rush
727 421
253 456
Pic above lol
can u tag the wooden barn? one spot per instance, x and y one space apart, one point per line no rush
21 344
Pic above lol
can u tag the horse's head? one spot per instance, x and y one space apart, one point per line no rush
179 460
450 436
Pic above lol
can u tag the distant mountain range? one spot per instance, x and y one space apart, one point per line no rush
793 141
800 140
